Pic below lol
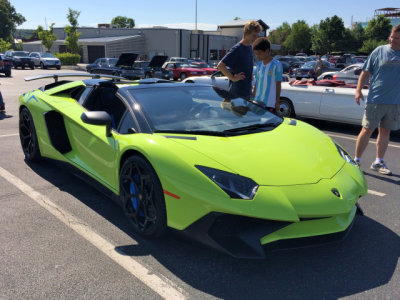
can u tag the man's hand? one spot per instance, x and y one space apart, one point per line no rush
238 76
359 95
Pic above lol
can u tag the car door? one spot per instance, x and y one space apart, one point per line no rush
339 104
93 150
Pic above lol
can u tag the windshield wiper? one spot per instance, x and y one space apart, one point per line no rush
254 127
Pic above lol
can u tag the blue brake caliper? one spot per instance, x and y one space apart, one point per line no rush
134 199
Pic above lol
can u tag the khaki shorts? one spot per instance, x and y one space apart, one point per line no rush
381 115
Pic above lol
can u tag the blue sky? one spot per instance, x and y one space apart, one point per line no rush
181 13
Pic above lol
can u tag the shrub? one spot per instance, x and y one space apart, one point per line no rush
68 59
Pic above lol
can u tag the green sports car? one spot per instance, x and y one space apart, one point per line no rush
228 173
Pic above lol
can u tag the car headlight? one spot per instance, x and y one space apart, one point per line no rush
234 185
343 153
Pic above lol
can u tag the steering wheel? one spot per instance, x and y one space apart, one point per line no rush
197 109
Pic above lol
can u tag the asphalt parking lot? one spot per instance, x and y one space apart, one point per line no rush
61 238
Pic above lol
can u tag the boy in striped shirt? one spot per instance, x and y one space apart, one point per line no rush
268 75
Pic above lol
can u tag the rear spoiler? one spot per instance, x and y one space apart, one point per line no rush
56 76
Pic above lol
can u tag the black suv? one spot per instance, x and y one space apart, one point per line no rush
19 59
5 66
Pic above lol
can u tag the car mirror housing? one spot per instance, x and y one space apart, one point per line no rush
98 118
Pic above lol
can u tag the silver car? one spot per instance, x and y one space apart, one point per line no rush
349 74
45 60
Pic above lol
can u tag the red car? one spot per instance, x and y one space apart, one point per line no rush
183 70
204 66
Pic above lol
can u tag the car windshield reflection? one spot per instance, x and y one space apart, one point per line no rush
202 110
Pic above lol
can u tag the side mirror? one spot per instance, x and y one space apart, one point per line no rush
98 118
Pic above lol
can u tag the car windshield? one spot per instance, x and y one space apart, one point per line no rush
47 55
183 66
113 61
201 110
308 65
20 53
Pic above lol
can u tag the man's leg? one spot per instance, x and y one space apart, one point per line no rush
382 142
362 141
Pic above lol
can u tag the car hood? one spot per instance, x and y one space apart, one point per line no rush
50 58
157 61
126 59
288 155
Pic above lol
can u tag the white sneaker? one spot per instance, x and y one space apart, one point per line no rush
381 168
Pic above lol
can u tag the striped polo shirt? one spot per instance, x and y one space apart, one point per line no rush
266 78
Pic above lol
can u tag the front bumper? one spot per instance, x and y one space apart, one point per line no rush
251 238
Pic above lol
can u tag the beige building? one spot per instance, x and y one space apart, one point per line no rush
111 42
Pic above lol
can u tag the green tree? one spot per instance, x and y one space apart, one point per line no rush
299 38
330 35
35 33
369 45
9 20
378 28
4 45
279 35
123 22
359 35
47 37
72 32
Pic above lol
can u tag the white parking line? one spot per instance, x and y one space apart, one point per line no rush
376 193
355 139
7 135
162 286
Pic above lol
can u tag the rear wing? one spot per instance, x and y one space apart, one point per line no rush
56 76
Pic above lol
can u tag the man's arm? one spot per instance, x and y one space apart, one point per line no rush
278 96
222 67
362 80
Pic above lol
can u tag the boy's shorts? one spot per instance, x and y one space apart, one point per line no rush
381 115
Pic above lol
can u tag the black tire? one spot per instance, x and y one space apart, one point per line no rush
15 65
28 137
8 74
329 77
286 108
32 67
183 76
42 66
58 68
142 197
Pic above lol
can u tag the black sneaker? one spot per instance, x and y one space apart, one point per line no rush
2 107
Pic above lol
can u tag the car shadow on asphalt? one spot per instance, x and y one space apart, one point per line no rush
366 259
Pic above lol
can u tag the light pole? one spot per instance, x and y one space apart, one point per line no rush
195 17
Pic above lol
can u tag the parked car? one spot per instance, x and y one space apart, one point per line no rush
349 74
45 60
287 68
123 66
307 70
219 80
346 60
153 68
176 155
178 59
293 61
182 70
5 66
331 103
19 59
203 66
